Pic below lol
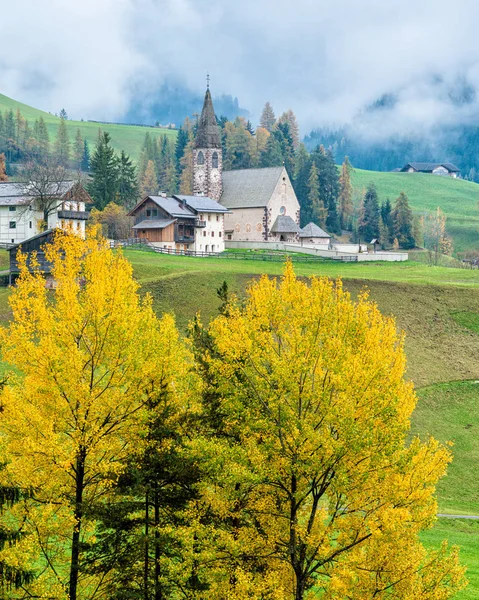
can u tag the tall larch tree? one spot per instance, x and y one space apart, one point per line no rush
3 168
290 118
104 171
62 145
268 118
322 495
186 179
78 147
149 183
345 200
83 367
403 222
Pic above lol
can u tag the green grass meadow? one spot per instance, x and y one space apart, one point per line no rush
123 137
458 199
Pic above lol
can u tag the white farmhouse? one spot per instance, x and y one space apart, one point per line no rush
20 217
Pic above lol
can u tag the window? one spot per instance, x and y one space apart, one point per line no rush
148 213
214 160
78 226
204 233
282 210
248 228
209 217
201 158
217 218
30 224
219 233
229 236
201 217
12 208
154 212
13 241
259 227
237 227
13 225
212 234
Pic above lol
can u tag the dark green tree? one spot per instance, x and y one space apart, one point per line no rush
403 222
85 161
128 192
272 155
328 186
369 224
181 141
62 145
104 171
302 170
282 133
386 215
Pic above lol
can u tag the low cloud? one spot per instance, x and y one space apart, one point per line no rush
327 61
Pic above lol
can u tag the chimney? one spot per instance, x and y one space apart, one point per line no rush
162 194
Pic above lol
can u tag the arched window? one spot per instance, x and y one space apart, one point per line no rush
201 158
214 160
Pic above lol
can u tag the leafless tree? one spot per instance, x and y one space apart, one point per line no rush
43 187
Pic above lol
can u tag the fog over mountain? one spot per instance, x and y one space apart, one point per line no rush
329 61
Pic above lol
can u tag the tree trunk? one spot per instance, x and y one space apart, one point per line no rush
78 514
158 592
145 567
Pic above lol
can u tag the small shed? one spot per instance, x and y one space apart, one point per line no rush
285 229
313 234
33 244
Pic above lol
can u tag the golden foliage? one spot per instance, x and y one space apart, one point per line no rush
320 486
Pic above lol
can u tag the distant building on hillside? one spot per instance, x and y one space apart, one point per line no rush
446 169
21 218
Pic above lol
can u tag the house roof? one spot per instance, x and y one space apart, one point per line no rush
249 188
175 208
284 224
311 230
208 133
159 224
16 193
202 204
428 167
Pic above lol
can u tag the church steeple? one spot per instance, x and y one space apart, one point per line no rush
208 134
207 153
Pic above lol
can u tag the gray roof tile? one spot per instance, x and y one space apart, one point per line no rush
174 207
14 193
284 224
311 230
158 224
202 203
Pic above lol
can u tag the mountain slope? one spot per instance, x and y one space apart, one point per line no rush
457 198
123 137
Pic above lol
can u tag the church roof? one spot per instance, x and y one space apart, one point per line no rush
284 224
208 133
311 230
249 188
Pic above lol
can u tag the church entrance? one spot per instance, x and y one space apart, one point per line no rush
282 238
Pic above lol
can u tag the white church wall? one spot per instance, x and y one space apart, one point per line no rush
245 225
283 201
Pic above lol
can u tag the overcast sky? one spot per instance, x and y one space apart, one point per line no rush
325 60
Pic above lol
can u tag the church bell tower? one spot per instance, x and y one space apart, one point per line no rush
207 153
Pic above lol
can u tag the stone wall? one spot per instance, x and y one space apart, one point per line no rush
207 179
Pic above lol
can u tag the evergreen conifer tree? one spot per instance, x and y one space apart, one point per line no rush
127 182
318 210
369 225
403 222
328 186
85 161
290 118
104 170
272 155
181 141
386 215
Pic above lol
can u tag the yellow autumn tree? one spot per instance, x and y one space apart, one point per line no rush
86 360
317 492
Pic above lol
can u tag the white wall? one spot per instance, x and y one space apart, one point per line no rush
26 223
212 237
245 224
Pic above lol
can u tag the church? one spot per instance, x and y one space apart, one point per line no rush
249 205
261 203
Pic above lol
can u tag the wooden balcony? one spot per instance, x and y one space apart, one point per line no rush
79 215
199 223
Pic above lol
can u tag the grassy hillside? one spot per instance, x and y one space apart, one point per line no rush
458 199
123 137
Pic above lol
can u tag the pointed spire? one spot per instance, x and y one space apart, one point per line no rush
208 134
